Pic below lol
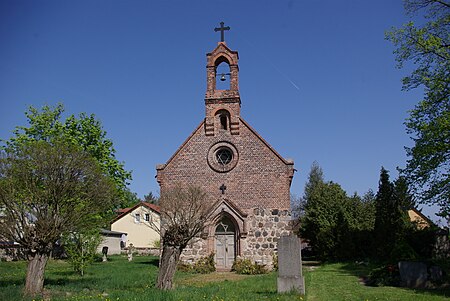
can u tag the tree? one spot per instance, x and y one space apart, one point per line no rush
391 217
150 198
318 222
129 199
336 226
85 131
47 190
428 48
184 211
81 248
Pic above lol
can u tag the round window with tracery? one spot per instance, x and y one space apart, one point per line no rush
222 156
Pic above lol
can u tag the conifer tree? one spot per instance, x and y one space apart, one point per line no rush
390 217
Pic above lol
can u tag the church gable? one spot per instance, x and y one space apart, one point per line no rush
256 175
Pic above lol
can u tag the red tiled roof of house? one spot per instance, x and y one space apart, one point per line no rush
125 211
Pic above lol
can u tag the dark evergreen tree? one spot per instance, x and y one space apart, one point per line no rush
391 219
150 198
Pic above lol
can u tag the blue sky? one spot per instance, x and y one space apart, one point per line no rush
317 78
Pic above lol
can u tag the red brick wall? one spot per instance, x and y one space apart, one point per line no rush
260 178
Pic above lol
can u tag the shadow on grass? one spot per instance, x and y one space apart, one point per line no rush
65 281
150 261
266 293
5 283
362 271
64 273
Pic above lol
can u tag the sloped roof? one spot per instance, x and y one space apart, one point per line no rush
125 211
425 219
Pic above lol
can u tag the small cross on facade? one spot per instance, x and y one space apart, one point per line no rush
223 187
222 30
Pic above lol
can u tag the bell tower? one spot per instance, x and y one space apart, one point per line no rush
222 105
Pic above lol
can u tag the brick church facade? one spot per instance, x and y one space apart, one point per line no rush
246 180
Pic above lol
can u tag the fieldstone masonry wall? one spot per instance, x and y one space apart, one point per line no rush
197 248
265 228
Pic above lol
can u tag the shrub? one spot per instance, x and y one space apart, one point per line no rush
388 275
205 265
81 248
246 266
184 267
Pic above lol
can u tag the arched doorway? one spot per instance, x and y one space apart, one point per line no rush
225 243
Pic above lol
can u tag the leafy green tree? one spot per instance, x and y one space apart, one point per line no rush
354 228
85 131
81 248
428 47
336 226
129 199
47 190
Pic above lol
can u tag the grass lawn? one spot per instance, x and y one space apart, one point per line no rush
119 279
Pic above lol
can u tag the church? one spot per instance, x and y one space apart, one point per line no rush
247 181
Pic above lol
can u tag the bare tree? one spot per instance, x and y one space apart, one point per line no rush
47 190
184 212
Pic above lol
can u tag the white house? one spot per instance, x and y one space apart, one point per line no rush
139 222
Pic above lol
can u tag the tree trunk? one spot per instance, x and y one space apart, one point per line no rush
168 266
34 282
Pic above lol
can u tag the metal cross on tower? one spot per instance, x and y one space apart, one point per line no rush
222 30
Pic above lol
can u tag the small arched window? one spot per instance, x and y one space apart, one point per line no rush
223 120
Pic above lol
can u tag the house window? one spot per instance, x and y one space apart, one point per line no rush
137 218
147 217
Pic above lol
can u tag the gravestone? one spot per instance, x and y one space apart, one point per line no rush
290 276
130 252
105 253
436 273
413 274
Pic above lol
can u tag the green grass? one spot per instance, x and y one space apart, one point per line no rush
119 279
343 282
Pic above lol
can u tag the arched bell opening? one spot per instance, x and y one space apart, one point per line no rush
226 242
223 73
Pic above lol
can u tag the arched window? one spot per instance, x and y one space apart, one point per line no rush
225 226
223 119
224 122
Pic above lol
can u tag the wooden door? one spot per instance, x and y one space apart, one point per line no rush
225 251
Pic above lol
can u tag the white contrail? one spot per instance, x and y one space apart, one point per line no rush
270 62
